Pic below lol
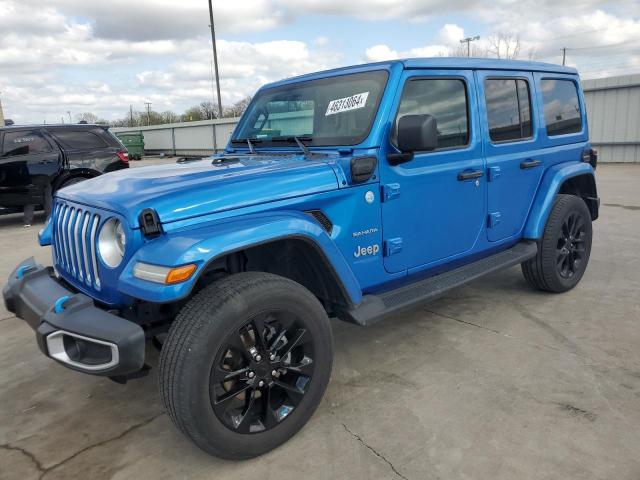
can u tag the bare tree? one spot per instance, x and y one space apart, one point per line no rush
476 51
209 111
504 45
87 117
237 108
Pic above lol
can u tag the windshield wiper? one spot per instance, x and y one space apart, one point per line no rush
298 140
249 142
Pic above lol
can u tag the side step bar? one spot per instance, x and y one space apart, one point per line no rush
374 307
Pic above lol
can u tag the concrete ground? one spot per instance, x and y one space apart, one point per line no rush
494 381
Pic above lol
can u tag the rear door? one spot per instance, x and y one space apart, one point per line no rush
434 205
87 147
511 145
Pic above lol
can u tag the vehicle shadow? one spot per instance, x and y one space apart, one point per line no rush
15 219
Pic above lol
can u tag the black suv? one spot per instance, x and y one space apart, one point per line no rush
39 159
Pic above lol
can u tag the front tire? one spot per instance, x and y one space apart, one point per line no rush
245 364
565 247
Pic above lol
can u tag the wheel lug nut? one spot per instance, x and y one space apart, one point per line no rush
272 357
274 373
261 383
258 358
251 374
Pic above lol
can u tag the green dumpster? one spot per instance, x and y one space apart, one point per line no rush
134 142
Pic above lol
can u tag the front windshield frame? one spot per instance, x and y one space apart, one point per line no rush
240 133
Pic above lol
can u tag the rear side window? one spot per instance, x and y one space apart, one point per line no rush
561 107
446 100
24 142
508 109
78 139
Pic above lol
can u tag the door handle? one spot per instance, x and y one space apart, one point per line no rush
470 175
529 164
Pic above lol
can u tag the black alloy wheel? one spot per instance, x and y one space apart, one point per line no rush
262 372
571 245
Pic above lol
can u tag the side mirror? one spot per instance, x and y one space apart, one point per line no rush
417 133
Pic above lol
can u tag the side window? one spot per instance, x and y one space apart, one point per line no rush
446 100
561 107
78 139
508 109
24 142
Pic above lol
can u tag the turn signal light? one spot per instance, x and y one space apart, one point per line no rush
180 274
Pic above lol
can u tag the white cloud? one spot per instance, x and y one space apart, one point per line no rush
102 56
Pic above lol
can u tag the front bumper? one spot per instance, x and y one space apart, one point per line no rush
69 327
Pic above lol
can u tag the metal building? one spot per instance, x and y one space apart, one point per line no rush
613 111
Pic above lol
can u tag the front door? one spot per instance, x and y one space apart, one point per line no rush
434 205
27 164
514 163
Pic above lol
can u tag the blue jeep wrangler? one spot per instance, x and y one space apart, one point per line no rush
352 193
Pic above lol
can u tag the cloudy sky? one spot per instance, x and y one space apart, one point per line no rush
101 56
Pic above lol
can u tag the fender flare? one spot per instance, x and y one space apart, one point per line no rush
553 179
204 244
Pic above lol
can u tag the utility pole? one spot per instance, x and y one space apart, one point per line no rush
148 104
131 115
1 114
564 56
215 57
69 113
468 41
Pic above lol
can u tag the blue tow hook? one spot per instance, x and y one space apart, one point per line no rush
58 307
22 270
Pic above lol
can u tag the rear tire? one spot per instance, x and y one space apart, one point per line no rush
246 364
565 247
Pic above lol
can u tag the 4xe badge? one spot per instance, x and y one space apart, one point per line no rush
366 251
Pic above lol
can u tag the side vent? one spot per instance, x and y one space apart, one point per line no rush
150 223
322 219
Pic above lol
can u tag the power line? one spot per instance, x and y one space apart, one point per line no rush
602 46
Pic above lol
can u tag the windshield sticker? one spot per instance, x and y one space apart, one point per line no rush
348 103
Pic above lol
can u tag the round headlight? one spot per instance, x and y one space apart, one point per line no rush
112 242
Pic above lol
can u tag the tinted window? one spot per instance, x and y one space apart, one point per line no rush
508 109
336 110
446 100
79 139
24 142
561 107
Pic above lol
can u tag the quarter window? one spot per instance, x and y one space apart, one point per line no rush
561 107
444 99
508 109
79 139
24 142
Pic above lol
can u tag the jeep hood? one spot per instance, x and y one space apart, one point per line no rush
182 190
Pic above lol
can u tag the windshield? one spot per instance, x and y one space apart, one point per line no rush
335 110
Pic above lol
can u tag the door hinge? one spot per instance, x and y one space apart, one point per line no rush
494 173
390 191
494 219
392 246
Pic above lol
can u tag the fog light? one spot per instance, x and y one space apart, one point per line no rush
82 352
